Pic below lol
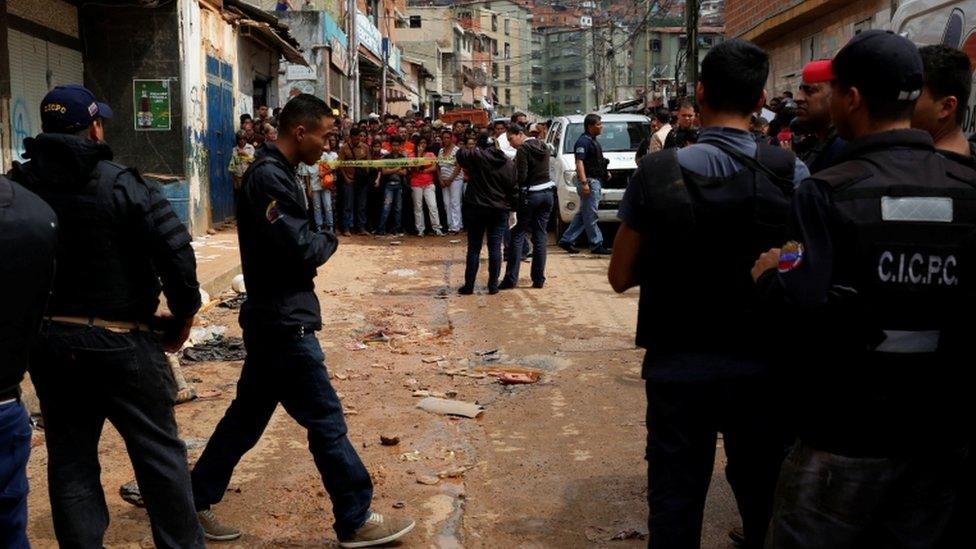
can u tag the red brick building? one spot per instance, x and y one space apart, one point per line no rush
795 32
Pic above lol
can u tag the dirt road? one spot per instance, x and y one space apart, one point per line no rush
555 464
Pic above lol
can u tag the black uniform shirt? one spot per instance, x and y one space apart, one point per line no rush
28 235
279 250
589 151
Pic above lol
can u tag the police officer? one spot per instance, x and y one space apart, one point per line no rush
591 175
98 357
821 144
536 198
29 229
692 219
876 279
280 253
941 111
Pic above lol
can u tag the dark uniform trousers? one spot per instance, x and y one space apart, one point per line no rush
289 369
15 434
683 420
481 221
85 375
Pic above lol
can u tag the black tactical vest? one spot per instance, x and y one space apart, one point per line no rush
912 240
703 236
104 265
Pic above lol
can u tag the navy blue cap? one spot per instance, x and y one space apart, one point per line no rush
881 65
71 108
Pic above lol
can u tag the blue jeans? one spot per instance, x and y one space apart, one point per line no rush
354 202
322 209
289 369
392 200
533 217
15 437
480 220
586 219
84 376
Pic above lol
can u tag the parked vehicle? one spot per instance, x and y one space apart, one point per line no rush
622 134
948 22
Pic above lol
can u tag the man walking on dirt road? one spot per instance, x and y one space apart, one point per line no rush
280 254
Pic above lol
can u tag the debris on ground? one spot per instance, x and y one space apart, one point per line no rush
217 349
410 456
131 494
186 394
455 472
399 505
628 534
507 378
452 241
234 302
391 440
376 337
356 346
450 407
208 394
486 353
512 375
195 443
432 359
403 273
421 394
464 372
203 334
428 480
237 284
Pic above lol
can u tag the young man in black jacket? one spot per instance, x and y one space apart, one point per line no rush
489 197
534 206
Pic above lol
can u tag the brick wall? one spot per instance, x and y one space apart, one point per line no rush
832 31
742 15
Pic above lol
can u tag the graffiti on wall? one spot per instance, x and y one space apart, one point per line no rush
20 127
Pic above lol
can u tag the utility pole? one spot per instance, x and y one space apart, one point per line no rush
612 61
647 49
386 63
691 61
353 60
596 61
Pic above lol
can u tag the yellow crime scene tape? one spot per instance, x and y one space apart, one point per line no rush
388 163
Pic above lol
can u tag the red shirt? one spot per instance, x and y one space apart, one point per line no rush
420 178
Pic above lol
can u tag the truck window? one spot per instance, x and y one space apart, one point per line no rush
616 137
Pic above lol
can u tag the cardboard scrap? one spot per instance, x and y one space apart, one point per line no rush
450 407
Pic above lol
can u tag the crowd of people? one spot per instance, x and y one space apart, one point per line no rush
805 290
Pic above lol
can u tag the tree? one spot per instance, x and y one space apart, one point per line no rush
543 107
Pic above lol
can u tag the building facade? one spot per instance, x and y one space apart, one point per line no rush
660 53
795 32
177 76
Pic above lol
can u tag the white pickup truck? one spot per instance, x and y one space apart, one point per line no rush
622 134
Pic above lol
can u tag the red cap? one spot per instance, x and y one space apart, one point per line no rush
818 71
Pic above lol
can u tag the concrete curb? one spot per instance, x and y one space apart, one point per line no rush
218 284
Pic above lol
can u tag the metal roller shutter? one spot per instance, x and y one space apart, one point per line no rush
36 66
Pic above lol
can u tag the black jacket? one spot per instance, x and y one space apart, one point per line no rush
118 234
28 239
532 163
491 178
863 269
280 251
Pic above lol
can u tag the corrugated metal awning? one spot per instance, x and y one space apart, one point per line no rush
271 38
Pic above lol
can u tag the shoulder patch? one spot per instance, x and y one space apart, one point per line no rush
580 150
272 213
790 256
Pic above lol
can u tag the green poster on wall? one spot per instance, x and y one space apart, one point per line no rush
151 105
